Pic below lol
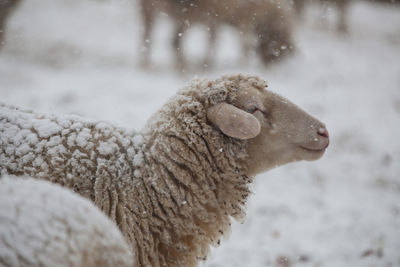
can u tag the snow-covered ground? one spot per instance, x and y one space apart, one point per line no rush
80 57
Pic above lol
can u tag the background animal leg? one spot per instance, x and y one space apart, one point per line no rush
177 45
247 46
148 21
342 16
210 53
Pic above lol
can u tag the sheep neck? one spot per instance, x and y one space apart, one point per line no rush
185 198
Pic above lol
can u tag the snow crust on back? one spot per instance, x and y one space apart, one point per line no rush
68 147
43 224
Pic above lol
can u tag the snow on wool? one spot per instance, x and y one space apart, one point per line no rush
43 224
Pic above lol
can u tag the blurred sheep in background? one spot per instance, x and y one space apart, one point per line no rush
266 21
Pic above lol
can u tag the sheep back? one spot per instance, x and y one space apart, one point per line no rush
85 156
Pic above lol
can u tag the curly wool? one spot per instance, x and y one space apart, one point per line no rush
171 189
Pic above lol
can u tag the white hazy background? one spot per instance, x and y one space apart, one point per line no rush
80 57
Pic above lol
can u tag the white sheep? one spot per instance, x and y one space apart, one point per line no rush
266 21
173 187
43 224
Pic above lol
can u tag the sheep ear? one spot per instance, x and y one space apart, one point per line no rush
233 121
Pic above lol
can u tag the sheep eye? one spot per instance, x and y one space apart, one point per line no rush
252 110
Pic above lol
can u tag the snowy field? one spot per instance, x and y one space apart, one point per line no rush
80 57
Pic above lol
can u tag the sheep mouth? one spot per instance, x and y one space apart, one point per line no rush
314 150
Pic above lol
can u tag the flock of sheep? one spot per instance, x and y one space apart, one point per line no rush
75 192
158 197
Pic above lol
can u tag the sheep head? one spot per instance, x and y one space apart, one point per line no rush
276 130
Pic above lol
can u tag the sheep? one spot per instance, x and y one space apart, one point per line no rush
173 187
267 21
44 224
6 9
341 7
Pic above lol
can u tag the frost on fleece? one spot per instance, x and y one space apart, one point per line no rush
43 224
68 151
171 189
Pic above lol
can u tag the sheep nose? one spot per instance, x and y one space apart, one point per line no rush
322 131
